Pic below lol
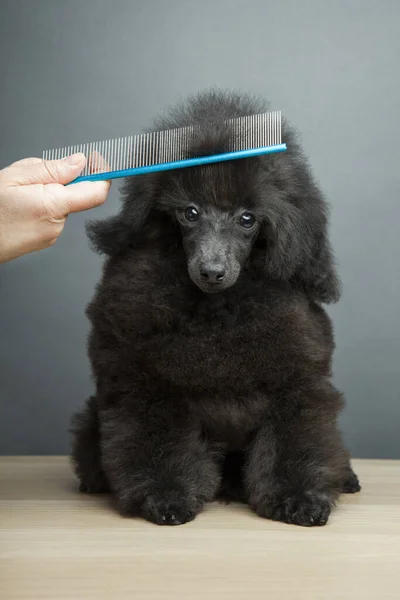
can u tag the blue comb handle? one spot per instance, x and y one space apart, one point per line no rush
181 164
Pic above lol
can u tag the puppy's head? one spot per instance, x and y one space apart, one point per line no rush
264 208
217 243
217 218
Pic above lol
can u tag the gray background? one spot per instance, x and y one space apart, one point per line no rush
74 71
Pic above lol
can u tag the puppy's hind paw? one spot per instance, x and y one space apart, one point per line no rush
351 485
94 485
308 509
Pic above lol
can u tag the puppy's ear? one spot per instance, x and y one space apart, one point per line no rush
114 234
318 274
109 236
297 239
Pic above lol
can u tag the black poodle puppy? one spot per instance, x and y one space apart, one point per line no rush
210 350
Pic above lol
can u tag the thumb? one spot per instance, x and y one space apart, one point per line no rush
32 171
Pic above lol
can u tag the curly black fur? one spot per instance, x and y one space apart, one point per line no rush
227 394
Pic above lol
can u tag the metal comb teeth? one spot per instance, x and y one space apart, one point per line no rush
169 146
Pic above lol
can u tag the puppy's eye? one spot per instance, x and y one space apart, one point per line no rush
247 220
191 214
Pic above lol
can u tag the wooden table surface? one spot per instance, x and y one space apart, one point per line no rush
57 544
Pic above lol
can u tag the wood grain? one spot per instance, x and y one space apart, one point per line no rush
56 544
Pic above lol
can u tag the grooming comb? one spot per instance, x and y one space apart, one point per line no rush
253 135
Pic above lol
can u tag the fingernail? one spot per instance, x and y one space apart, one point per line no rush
74 159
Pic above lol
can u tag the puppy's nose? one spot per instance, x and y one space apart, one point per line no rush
212 272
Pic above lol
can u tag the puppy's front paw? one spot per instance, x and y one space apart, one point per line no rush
308 509
169 509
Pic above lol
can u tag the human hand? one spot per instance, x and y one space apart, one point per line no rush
34 202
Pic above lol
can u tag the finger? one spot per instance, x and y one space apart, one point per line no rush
77 197
25 161
97 163
33 171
